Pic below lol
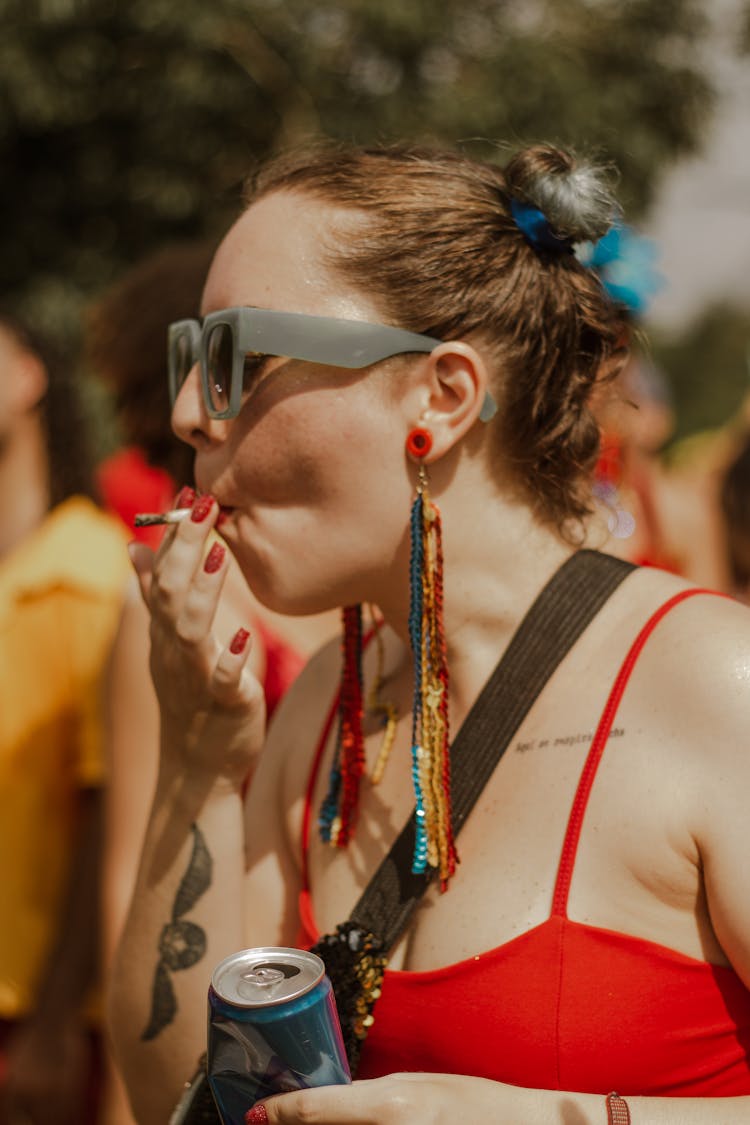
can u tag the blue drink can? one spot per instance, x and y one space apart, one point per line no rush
272 1027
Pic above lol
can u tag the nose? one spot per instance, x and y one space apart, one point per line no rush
190 419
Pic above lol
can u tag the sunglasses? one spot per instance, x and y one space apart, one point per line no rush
223 341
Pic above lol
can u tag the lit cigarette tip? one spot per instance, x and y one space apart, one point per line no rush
149 519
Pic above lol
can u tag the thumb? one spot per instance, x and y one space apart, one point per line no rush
258 1115
334 1105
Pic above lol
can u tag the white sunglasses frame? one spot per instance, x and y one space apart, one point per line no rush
315 339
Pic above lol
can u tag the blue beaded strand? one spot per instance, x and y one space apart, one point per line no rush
329 807
416 560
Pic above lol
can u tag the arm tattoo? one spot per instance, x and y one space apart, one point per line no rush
181 943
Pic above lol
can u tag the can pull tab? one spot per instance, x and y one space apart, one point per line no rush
260 982
264 976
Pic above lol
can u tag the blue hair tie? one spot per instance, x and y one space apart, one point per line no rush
626 265
535 228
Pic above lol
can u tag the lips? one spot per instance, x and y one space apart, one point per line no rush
226 511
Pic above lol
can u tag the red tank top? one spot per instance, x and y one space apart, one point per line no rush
565 1005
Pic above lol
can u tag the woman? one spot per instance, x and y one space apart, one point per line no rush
309 465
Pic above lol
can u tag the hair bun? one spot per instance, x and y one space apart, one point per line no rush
574 195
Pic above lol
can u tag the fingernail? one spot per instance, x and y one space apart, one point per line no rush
258 1115
185 497
237 645
214 558
201 508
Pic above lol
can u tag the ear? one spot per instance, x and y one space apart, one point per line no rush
29 378
458 385
33 380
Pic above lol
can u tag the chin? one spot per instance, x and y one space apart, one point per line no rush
299 603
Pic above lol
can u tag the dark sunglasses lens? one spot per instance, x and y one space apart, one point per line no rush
181 359
220 353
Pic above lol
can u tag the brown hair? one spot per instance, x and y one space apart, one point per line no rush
442 254
126 346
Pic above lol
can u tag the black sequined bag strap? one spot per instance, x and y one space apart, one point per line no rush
357 952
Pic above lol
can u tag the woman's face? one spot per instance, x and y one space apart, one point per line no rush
312 473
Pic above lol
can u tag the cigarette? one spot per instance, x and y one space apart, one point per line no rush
149 519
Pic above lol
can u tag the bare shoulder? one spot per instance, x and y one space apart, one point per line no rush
310 695
693 674
275 799
704 637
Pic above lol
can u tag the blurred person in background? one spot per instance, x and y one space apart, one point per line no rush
652 516
734 493
655 514
63 574
125 345
124 341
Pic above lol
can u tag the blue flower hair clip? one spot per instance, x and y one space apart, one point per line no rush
626 263
536 229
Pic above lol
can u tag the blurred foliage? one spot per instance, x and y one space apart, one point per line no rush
745 29
708 368
126 124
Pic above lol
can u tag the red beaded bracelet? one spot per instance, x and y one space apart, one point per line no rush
617 1110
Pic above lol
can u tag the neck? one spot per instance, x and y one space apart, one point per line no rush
493 569
24 485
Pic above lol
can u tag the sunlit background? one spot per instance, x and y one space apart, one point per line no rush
125 124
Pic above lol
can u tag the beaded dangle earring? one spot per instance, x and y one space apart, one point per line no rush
339 808
434 843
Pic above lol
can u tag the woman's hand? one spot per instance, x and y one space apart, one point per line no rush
445 1099
398 1099
212 709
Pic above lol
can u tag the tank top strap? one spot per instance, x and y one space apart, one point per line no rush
580 801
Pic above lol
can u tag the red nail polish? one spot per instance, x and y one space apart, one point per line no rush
258 1115
185 497
237 645
201 508
214 558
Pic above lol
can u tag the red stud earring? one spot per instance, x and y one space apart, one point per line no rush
418 443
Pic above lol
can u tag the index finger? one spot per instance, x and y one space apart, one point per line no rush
181 554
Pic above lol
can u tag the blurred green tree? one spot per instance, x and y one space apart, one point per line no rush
124 125
708 367
745 29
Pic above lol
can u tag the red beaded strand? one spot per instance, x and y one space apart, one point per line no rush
351 735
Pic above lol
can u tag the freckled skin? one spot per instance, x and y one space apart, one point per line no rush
267 465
